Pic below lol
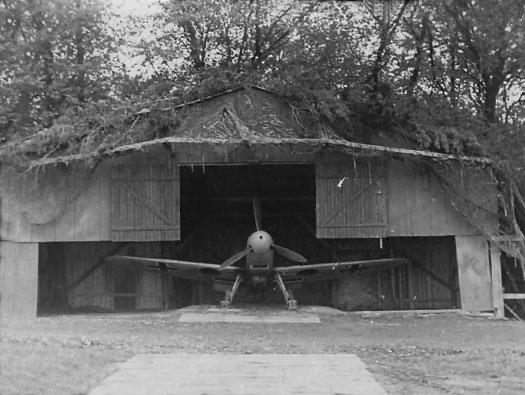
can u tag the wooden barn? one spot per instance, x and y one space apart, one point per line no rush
187 195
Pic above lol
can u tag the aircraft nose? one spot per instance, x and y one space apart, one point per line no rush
260 242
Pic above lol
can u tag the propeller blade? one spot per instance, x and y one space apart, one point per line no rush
291 255
257 212
234 258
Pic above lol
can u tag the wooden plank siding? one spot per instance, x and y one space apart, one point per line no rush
88 217
150 291
13 226
85 219
497 283
430 282
351 198
18 279
474 273
360 197
480 187
401 200
145 201
419 206
209 154
96 289
100 288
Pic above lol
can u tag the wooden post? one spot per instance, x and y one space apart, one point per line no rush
18 279
430 294
513 283
497 286
401 288
166 283
379 296
393 285
410 288
512 312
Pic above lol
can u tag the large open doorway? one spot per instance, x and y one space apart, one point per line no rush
217 217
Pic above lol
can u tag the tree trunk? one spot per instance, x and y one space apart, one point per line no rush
493 84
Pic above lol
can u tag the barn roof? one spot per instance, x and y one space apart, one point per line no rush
238 117
319 143
248 114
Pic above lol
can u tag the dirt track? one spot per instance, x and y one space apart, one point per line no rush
422 354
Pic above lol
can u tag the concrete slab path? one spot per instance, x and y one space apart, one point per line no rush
262 317
241 374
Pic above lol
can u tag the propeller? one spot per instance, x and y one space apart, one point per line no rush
291 255
287 253
234 258
241 254
257 212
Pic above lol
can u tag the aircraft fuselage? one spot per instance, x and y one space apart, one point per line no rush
259 261
259 273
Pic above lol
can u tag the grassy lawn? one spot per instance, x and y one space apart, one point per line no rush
441 354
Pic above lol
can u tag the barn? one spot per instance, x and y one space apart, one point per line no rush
187 194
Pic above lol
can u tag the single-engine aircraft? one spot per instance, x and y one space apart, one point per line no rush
258 273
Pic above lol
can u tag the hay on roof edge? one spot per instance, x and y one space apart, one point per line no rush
321 144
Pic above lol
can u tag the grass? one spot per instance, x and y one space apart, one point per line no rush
445 354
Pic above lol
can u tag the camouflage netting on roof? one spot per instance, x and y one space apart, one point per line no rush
242 114
248 114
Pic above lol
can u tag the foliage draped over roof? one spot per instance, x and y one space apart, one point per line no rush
442 76
242 114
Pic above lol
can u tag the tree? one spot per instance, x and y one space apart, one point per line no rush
469 52
241 37
488 47
435 72
58 56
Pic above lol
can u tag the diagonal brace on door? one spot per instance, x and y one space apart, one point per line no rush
419 265
144 203
350 200
93 268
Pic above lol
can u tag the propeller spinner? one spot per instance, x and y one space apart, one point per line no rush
260 242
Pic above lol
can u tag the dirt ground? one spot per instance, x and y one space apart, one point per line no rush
407 354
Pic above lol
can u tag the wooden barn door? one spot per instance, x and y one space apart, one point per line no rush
145 201
351 197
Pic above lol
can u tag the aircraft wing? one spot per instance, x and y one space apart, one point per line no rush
174 266
328 271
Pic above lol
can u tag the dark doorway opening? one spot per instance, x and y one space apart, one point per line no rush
52 280
225 193
217 217
430 282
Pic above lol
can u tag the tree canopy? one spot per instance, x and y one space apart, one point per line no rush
443 75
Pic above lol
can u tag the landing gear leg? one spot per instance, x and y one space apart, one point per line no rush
230 293
225 303
288 295
292 302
